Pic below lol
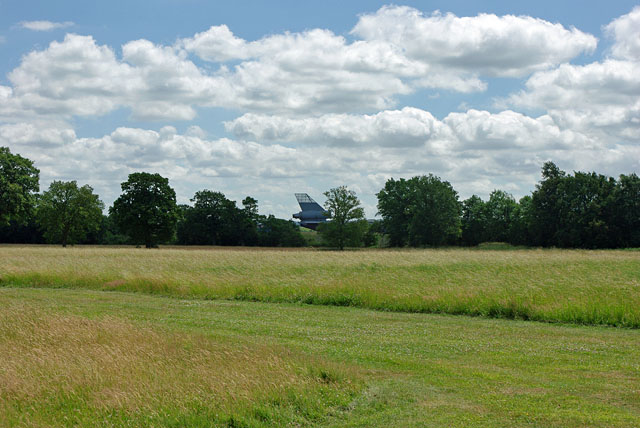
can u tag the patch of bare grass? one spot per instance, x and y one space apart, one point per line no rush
110 369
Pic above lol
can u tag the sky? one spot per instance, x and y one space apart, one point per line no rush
270 98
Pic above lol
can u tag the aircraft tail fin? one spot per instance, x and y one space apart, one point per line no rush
307 203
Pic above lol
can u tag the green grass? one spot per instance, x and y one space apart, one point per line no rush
568 286
90 358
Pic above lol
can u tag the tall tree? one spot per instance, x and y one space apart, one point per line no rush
66 212
18 186
215 220
626 214
435 212
545 206
394 201
473 221
146 211
499 212
423 210
276 232
346 224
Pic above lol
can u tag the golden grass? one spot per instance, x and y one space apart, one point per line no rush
49 362
593 287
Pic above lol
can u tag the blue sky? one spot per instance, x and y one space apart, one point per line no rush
270 98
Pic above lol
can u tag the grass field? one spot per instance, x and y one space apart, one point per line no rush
89 358
78 348
581 287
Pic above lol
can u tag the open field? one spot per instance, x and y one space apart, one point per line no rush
571 286
90 358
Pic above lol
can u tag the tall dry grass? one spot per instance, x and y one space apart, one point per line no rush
58 370
588 287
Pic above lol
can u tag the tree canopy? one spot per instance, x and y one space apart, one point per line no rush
146 211
347 225
19 182
421 211
66 212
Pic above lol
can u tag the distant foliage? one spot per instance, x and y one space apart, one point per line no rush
579 210
66 212
19 182
421 211
348 225
146 211
276 232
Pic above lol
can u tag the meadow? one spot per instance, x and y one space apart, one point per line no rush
569 286
89 358
124 337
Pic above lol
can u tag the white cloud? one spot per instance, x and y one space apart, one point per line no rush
317 110
73 77
626 34
601 97
397 128
308 73
492 45
45 25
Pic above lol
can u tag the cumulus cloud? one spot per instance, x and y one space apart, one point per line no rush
626 35
44 25
497 46
397 128
397 51
601 97
317 110
472 130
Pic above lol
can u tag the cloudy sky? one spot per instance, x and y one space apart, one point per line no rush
271 98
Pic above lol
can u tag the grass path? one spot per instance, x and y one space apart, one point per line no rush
569 286
345 366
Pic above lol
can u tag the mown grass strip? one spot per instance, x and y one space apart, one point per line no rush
178 363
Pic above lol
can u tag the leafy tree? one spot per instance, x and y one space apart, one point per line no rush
21 233
18 185
499 212
584 208
216 220
394 202
626 211
344 228
423 210
251 207
519 232
545 206
435 212
473 221
146 211
67 212
276 232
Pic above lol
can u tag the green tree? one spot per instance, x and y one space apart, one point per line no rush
346 225
520 230
216 220
423 210
626 211
276 232
394 202
473 221
146 211
66 212
499 212
18 186
545 206
435 212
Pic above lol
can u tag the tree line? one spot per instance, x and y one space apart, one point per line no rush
579 210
